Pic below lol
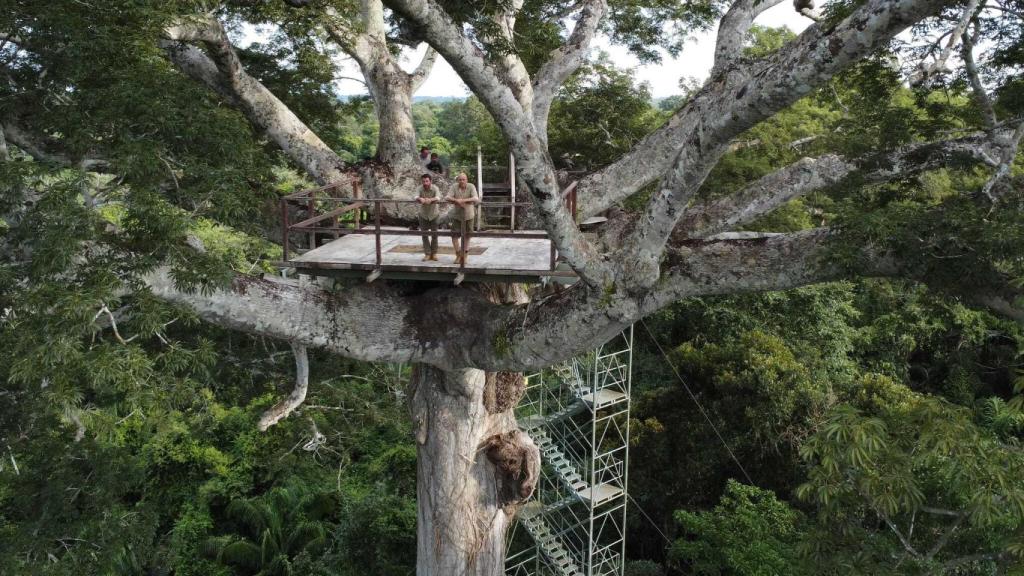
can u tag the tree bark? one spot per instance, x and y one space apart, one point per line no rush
474 467
390 87
391 90
223 72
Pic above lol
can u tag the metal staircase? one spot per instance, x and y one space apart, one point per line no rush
578 415
499 218
496 217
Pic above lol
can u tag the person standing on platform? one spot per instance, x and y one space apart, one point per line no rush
429 197
465 199
424 157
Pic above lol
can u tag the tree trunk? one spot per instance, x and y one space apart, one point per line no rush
391 90
474 467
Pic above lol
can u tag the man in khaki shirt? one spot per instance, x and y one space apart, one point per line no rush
429 197
465 199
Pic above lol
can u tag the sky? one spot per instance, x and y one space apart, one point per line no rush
663 79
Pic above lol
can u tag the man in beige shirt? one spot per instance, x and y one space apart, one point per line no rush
465 198
429 197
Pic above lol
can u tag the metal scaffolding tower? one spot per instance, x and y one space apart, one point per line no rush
578 414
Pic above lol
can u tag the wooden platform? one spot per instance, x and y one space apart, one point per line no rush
603 398
601 493
517 259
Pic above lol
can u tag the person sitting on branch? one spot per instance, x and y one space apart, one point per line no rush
435 164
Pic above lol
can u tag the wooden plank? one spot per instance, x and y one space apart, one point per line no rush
431 276
536 235
509 255
424 269
284 228
418 249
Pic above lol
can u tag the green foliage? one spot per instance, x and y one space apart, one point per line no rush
601 113
765 40
777 366
923 461
760 368
749 533
275 527
132 450
644 26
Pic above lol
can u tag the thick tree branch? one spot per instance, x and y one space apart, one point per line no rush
285 407
556 328
564 61
354 43
929 70
977 88
390 87
809 174
738 97
452 328
223 72
532 161
376 323
550 330
45 149
510 67
423 69
971 558
373 19
733 28
995 188
352 324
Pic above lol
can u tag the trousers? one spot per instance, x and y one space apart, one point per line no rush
429 240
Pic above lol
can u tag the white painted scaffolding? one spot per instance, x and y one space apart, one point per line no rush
578 415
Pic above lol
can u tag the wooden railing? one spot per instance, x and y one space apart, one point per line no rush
331 221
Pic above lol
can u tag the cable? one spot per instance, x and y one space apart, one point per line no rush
697 402
630 496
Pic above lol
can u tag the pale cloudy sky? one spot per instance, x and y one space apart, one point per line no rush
695 61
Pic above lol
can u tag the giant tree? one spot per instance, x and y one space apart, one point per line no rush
474 465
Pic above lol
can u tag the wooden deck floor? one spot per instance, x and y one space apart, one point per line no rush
526 257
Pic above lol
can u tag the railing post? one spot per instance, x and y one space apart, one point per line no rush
357 193
573 195
512 191
376 214
284 227
335 221
312 214
553 253
479 184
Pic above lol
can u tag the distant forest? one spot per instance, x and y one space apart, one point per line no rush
602 113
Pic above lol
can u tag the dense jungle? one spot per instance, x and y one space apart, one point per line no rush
865 421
